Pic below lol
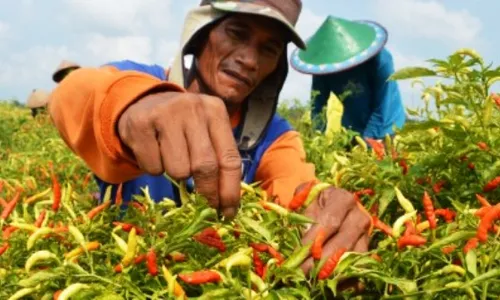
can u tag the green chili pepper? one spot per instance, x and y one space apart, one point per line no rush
483 277
37 235
240 258
300 219
457 236
361 142
405 203
42 255
194 227
80 239
72 290
451 269
121 243
297 257
23 292
398 224
259 283
313 194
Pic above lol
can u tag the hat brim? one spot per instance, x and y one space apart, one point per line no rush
259 10
314 69
59 75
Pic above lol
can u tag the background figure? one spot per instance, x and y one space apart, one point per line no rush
37 101
65 67
349 59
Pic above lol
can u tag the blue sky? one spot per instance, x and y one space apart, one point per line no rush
35 35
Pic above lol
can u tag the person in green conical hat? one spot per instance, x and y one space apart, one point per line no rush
349 58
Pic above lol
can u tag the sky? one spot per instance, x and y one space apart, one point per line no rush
36 35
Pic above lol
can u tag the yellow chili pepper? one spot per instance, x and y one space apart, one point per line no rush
37 197
37 235
42 255
131 248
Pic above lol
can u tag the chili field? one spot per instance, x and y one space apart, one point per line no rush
432 192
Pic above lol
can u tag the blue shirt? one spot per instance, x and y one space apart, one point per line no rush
375 105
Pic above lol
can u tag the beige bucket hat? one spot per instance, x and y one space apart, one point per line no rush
38 98
64 67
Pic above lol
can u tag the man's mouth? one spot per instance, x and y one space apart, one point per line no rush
238 77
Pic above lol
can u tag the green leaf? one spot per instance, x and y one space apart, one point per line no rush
411 72
471 262
255 226
388 195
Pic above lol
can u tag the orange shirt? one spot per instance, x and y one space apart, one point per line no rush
85 108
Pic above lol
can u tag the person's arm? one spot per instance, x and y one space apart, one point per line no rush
387 105
85 108
321 93
283 168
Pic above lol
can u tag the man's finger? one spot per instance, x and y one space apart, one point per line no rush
228 158
362 244
353 228
204 166
147 151
174 151
329 212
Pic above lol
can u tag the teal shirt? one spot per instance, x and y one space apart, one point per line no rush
375 105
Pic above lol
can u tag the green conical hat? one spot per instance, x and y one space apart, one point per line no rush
338 45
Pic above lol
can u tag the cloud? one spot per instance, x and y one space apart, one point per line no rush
4 29
428 19
127 15
106 48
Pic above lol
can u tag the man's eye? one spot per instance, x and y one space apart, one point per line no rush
271 50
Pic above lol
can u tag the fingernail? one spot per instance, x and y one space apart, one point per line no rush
229 212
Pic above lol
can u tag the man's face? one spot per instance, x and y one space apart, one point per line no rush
240 52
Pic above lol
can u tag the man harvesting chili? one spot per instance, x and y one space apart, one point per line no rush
213 124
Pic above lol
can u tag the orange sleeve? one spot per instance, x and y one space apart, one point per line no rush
283 167
85 108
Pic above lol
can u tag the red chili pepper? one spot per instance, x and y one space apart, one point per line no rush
177 256
374 208
56 188
487 222
96 210
410 228
10 206
329 266
411 240
8 231
140 259
377 223
151 262
429 211
259 247
258 264
377 147
86 180
471 166
376 257
4 248
1 186
127 227
438 186
40 218
484 202
492 184
201 277
276 255
482 211
138 206
317 247
446 213
471 244
299 198
3 203
404 166
448 249
118 268
482 146
211 238
119 195
236 232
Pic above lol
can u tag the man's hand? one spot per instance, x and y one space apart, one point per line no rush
185 135
345 224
